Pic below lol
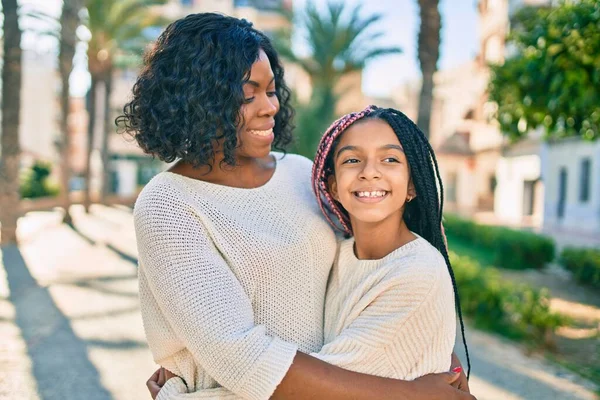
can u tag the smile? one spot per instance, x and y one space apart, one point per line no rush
371 196
264 133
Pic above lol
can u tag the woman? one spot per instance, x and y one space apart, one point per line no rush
234 254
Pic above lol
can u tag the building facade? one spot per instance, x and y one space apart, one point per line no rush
571 172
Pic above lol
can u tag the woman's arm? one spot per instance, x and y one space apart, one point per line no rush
310 378
185 280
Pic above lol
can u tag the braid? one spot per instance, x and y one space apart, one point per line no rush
423 215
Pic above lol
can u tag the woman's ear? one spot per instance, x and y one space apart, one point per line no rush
332 185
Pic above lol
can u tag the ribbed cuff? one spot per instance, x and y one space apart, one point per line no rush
172 389
270 369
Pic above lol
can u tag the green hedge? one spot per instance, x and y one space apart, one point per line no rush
35 182
584 263
511 248
514 310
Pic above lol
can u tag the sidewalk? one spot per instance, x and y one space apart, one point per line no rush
70 326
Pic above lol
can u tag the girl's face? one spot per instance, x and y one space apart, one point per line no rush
258 111
372 177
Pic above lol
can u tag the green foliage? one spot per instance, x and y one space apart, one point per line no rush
35 182
311 121
511 248
340 41
584 263
552 80
517 311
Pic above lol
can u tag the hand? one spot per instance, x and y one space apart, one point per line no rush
440 386
156 382
462 383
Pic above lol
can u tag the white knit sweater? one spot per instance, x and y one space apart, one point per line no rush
392 317
232 281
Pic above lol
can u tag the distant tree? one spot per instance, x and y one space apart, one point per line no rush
551 78
340 41
115 26
69 21
10 155
429 53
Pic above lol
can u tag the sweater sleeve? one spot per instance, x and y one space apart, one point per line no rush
203 301
395 326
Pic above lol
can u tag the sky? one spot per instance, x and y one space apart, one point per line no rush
400 24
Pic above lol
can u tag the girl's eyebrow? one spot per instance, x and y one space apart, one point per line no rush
393 146
345 148
386 147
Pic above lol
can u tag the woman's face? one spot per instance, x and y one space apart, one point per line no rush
258 111
372 177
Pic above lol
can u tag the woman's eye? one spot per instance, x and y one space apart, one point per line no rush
271 94
249 100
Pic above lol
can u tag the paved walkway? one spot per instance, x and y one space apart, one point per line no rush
70 326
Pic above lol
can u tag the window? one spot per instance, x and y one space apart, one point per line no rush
584 184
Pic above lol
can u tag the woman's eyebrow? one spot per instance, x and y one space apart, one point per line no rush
256 84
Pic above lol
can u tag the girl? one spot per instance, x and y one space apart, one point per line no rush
233 252
390 300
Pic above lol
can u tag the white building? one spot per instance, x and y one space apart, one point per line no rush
571 173
39 112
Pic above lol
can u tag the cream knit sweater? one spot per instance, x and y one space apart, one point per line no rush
392 317
232 281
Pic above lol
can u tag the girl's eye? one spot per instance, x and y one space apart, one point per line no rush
391 159
350 161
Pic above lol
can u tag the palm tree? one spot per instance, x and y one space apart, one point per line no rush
69 21
11 102
429 53
338 46
115 26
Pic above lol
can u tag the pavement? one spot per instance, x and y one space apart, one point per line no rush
70 326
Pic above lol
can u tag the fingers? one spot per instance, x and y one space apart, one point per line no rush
452 377
153 388
152 384
168 374
161 377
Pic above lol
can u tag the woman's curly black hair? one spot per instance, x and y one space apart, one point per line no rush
189 93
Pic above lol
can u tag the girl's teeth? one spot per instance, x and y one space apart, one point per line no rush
371 194
262 133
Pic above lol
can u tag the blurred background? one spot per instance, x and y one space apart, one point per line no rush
508 92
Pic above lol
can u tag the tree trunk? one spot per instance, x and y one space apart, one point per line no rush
429 52
91 104
69 21
10 158
108 129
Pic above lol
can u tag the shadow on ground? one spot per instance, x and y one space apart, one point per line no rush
60 362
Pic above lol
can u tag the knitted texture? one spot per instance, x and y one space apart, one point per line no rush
232 281
393 317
